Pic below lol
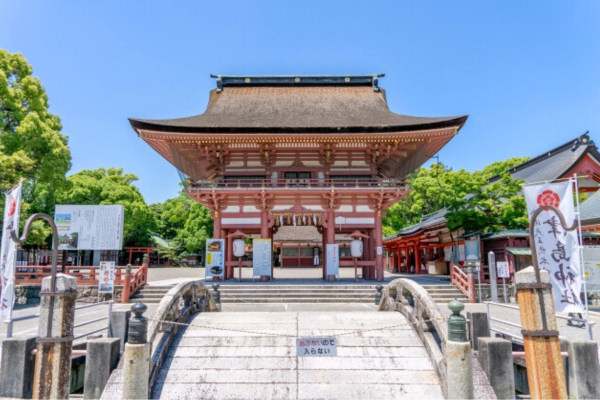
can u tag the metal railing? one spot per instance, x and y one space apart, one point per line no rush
10 323
518 338
296 184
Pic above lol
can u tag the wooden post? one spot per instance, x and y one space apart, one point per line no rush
378 270
126 289
471 283
545 371
330 235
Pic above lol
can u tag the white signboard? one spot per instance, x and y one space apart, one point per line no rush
106 281
333 259
8 251
215 258
89 227
316 347
503 269
591 261
261 257
557 249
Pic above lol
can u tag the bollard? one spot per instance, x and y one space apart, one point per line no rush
216 295
459 363
136 363
52 376
379 294
545 371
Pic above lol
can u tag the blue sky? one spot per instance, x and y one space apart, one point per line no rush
527 73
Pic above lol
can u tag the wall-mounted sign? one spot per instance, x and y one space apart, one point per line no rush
215 258
333 259
89 227
106 280
261 257
503 269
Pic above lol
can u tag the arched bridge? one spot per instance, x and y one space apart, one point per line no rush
248 355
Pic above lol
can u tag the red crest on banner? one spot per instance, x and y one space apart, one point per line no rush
548 198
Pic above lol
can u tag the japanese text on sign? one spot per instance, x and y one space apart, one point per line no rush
316 347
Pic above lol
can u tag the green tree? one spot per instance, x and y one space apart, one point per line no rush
112 186
32 146
184 221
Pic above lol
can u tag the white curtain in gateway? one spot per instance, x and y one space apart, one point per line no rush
557 249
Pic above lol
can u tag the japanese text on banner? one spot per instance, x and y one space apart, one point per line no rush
557 249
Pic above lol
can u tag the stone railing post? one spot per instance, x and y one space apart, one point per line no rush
459 362
52 376
545 371
216 295
378 294
136 363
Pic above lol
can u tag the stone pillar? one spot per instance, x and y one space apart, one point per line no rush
584 369
119 325
101 359
136 363
459 362
378 232
495 358
52 378
478 327
545 371
16 367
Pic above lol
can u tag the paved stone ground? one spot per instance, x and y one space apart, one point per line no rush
283 276
253 355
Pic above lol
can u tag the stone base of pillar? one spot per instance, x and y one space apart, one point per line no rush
331 278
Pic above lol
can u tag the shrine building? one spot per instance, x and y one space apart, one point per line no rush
321 151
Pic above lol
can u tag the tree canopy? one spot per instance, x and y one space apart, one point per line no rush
112 186
32 146
472 202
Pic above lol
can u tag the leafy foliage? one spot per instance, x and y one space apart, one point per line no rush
111 186
184 221
31 144
472 202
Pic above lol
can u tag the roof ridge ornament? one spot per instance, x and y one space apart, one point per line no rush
294 80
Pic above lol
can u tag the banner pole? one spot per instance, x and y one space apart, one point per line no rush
581 259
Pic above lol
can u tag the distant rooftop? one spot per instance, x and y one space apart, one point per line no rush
297 80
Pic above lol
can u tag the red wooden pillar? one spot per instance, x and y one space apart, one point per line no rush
330 234
366 255
217 225
417 259
229 273
323 252
378 248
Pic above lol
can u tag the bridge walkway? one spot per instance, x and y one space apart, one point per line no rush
239 355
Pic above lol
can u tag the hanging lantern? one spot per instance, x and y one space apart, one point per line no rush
281 220
294 219
239 247
303 219
314 220
356 248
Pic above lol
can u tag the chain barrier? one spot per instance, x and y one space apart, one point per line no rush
352 331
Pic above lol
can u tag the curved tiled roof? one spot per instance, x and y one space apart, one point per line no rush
317 107
590 210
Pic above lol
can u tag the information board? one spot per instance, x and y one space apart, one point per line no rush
261 258
591 263
215 258
503 269
316 347
106 281
89 227
333 259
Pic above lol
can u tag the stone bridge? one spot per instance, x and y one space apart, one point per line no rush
395 353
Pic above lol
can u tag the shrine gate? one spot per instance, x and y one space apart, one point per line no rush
325 151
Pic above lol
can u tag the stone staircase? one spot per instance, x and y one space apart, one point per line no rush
150 294
445 293
297 293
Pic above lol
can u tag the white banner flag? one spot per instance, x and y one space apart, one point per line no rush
557 249
8 251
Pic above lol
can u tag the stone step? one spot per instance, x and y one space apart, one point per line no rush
297 300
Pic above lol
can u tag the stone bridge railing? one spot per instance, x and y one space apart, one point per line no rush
182 301
412 300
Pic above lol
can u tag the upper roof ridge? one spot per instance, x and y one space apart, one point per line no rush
296 80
